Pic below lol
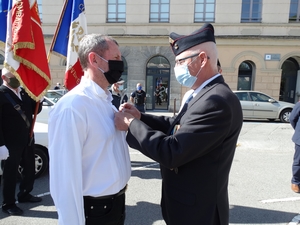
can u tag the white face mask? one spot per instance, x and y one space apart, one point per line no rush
121 87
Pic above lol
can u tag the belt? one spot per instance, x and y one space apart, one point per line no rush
108 196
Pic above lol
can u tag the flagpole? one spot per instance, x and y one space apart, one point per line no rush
33 121
57 29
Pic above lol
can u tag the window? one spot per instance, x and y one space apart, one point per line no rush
40 8
159 11
204 11
116 11
1 59
251 11
294 11
242 96
245 76
258 97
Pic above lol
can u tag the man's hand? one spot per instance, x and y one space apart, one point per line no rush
123 120
129 108
3 152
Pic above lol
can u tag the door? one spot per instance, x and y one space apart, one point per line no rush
262 107
288 80
157 92
157 83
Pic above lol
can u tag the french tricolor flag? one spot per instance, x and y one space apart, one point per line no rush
70 30
25 52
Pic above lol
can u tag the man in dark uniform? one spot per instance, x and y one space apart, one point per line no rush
14 136
295 122
195 149
138 98
57 87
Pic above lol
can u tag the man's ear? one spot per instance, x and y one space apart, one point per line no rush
92 58
3 77
203 57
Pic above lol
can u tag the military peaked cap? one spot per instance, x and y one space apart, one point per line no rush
180 43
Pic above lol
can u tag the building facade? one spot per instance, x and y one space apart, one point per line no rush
258 42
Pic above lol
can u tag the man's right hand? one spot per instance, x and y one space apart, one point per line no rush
129 108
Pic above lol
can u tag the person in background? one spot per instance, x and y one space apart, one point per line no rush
295 122
57 87
138 98
89 159
118 94
15 143
195 149
157 94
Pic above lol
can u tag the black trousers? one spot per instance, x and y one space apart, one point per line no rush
141 108
109 211
24 157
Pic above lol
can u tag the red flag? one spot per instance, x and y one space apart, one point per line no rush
25 53
70 30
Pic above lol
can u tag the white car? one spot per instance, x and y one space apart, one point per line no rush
257 105
41 133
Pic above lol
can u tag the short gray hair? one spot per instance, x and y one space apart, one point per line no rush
93 43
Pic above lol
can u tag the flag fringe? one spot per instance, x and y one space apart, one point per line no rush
23 45
34 68
58 54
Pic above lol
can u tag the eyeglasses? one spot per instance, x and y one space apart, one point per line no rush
181 61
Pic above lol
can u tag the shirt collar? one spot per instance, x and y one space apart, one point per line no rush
204 84
96 89
16 92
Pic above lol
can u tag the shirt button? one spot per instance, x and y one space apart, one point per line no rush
92 207
105 207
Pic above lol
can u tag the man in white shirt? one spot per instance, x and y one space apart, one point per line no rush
89 158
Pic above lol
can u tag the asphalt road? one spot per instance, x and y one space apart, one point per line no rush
259 187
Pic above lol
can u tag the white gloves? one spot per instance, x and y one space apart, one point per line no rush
3 152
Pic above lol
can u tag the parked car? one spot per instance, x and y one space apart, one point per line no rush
257 105
50 98
41 133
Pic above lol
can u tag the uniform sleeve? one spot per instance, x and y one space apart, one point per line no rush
200 132
294 116
66 138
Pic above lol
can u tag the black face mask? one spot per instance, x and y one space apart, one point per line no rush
13 82
115 71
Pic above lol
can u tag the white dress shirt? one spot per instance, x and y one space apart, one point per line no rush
88 155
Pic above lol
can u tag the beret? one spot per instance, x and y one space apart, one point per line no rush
180 43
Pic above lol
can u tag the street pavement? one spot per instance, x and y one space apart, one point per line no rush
259 186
